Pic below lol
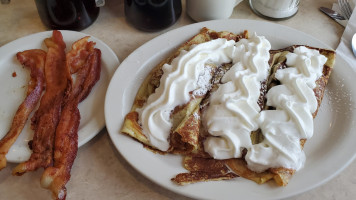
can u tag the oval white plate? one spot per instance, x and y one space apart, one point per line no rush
328 152
13 90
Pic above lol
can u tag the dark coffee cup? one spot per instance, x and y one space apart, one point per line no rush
67 14
152 15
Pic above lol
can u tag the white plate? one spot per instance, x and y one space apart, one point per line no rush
328 152
13 90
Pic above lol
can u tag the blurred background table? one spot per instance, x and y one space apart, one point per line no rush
100 172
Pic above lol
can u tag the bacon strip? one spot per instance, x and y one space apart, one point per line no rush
34 60
76 58
66 139
47 116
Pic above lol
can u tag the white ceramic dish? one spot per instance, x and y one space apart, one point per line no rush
329 151
13 90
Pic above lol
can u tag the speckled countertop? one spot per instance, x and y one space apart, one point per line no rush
99 171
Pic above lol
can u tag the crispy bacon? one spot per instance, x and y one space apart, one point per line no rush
81 49
87 64
48 114
34 60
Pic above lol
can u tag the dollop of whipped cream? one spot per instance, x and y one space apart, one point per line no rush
233 110
292 120
188 74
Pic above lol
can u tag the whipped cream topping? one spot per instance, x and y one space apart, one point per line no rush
188 74
292 120
233 110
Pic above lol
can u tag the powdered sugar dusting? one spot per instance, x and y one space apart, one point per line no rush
196 115
203 82
339 99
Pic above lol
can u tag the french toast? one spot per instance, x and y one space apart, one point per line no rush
187 135
282 175
238 166
184 137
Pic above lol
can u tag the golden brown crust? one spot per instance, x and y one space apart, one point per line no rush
203 169
185 138
200 176
239 166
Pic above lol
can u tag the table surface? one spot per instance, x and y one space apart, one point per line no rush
99 171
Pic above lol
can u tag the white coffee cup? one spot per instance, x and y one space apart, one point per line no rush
203 10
